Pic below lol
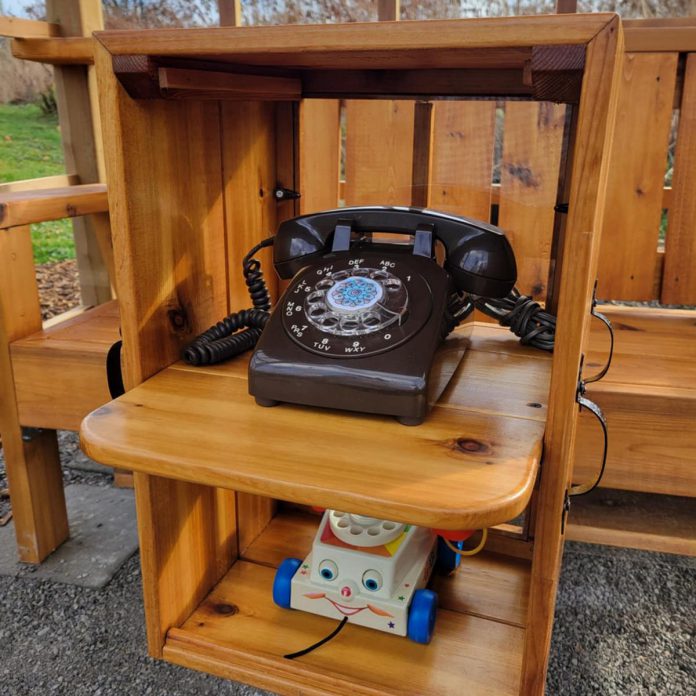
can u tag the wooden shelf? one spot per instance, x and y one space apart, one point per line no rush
237 631
472 464
661 523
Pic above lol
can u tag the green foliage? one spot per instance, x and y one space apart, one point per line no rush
47 102
52 241
29 143
30 147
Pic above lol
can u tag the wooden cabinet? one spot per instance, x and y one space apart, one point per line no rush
201 128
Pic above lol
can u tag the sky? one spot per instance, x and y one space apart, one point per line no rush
13 7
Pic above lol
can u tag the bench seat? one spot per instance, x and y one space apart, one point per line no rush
60 371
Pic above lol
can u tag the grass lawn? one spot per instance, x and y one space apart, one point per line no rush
29 148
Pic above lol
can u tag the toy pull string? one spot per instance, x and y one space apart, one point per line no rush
333 634
469 552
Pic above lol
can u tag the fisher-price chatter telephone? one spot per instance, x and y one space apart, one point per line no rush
359 326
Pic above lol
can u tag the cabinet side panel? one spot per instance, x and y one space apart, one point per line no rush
187 543
164 165
576 272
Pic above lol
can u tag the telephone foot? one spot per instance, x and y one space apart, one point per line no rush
410 421
266 402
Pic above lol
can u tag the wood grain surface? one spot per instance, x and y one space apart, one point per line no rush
60 373
635 187
33 466
26 207
472 464
462 161
248 641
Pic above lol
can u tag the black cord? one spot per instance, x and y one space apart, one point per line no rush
225 340
524 316
333 634
596 411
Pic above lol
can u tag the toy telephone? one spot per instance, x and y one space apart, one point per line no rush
361 321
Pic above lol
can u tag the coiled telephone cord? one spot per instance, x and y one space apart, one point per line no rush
525 318
226 339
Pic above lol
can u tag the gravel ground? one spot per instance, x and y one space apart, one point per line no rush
59 287
625 624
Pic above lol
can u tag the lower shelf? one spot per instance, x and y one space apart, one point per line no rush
646 521
237 632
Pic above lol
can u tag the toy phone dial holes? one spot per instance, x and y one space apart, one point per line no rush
360 530
356 301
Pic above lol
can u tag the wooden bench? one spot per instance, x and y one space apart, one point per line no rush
649 399
51 374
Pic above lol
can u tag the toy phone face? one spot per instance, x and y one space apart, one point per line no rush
350 582
355 305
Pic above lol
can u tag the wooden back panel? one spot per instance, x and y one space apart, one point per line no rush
462 157
379 152
529 173
179 240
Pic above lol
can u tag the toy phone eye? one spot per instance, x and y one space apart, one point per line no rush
372 580
328 570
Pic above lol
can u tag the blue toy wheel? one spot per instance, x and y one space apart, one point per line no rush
447 560
421 616
282 581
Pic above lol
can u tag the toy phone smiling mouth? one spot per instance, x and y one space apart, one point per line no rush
360 324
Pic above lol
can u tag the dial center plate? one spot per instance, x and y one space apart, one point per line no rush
354 294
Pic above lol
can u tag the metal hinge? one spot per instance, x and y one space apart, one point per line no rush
280 193
565 511
28 434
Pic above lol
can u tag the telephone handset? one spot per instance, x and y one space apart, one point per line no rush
361 321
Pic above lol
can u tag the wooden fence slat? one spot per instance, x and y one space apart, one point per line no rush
679 279
379 152
462 160
532 143
320 145
635 187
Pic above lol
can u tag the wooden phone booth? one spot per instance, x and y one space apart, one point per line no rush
204 129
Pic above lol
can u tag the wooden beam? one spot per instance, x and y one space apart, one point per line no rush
230 13
667 39
44 182
388 10
16 28
55 51
556 72
31 460
401 44
413 84
26 207
566 6
422 154
178 83
78 113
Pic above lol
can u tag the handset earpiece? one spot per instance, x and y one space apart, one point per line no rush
479 257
